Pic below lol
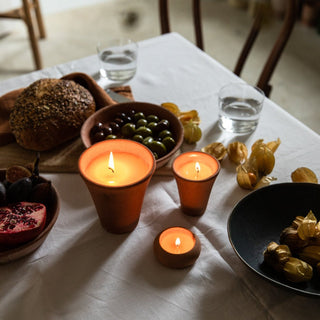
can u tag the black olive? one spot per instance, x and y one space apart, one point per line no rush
107 130
115 127
96 128
99 136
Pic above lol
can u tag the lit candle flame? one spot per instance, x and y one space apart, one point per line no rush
111 163
197 167
178 242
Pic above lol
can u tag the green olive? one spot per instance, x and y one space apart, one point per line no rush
152 118
141 123
153 126
138 138
128 130
138 116
158 147
147 141
111 136
164 133
169 142
143 131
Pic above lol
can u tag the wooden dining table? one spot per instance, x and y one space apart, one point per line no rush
81 271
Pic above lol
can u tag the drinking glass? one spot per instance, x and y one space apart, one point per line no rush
118 59
240 105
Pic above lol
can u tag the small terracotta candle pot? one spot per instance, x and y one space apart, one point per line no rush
177 247
117 192
195 173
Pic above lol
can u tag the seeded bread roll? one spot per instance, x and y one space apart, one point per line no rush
50 112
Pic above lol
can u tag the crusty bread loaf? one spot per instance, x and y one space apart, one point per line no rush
50 112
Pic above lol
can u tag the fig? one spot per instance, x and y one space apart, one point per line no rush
19 190
15 173
43 193
21 222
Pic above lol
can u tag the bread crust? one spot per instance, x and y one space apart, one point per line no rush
50 112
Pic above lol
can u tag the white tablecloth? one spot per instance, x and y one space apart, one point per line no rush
83 272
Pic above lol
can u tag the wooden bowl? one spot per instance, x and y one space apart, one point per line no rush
108 114
12 253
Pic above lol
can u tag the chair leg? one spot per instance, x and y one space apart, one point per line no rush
32 36
41 28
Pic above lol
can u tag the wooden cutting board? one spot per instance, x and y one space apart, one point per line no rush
61 159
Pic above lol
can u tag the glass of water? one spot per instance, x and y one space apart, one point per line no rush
118 59
240 105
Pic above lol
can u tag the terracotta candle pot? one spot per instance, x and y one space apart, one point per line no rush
195 173
117 173
177 247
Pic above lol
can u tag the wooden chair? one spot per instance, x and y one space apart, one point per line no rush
196 9
25 13
275 54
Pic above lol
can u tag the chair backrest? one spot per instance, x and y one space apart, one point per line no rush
196 10
275 54
278 47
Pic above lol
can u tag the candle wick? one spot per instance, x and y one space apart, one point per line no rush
197 167
111 169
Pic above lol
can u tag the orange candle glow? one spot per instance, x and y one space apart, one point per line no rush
123 165
196 166
117 173
195 173
177 247
177 240
116 169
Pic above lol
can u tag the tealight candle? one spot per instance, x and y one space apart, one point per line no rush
117 173
195 173
177 247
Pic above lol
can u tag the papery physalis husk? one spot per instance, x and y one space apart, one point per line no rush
246 179
290 237
192 132
297 221
296 270
171 107
237 152
261 159
304 174
276 255
183 116
253 173
307 228
310 254
216 149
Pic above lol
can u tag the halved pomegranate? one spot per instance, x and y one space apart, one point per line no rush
21 222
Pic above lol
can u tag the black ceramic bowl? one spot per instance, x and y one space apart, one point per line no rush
259 219
108 114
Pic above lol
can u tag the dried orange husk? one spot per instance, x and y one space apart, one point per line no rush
186 116
307 228
216 149
171 107
237 152
304 174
